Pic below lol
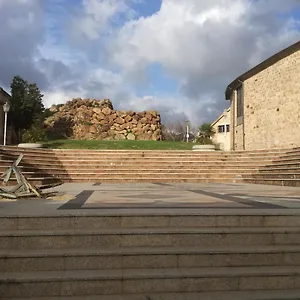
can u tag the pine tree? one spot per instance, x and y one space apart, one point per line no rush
26 104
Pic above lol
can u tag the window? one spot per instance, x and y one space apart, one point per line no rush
240 101
221 128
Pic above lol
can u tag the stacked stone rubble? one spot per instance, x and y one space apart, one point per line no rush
88 119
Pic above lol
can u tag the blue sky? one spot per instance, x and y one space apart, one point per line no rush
147 8
173 56
158 81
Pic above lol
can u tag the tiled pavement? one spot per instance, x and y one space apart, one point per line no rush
97 198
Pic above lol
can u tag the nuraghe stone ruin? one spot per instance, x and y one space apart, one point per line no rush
91 119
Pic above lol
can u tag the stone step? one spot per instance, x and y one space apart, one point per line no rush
172 161
142 177
147 257
141 281
143 162
295 149
119 166
155 156
152 164
146 153
285 165
289 155
125 164
65 221
294 160
137 160
276 175
48 180
174 153
160 175
135 177
224 295
96 151
141 237
145 173
273 181
125 169
267 169
148 157
229 178
153 177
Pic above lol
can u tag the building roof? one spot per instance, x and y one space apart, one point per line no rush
262 66
4 93
219 118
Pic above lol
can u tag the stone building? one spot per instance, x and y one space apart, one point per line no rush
265 103
4 97
222 130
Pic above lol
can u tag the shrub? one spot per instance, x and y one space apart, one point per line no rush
36 133
203 140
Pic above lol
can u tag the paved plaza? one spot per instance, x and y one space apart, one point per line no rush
99 198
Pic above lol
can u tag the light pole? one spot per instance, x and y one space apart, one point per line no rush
187 131
6 108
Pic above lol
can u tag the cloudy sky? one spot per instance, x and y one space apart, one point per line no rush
176 56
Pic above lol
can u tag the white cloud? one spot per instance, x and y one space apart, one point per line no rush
97 15
21 31
202 44
56 97
194 36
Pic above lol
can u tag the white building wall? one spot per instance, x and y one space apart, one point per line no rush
222 139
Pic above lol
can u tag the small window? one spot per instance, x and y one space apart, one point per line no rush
221 128
227 128
240 101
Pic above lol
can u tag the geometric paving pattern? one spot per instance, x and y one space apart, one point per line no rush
157 197
180 196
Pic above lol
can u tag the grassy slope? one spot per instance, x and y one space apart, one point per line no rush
121 145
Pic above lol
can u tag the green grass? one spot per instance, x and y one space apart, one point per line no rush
121 145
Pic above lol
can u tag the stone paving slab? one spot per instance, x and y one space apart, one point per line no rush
99 198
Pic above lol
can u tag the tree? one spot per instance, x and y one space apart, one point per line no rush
205 133
206 130
176 131
26 104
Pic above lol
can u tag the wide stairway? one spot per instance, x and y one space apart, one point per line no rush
280 166
150 257
284 170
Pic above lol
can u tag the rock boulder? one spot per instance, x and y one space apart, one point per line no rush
87 119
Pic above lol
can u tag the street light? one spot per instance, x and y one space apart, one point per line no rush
6 108
187 130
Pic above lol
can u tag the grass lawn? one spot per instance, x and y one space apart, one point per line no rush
121 145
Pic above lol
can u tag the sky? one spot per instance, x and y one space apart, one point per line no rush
174 56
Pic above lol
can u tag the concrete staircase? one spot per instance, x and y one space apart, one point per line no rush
284 170
43 166
150 256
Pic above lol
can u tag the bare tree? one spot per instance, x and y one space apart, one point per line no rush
177 131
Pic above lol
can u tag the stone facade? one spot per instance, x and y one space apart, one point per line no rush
90 119
222 137
270 99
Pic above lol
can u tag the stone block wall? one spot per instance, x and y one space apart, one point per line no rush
90 119
271 108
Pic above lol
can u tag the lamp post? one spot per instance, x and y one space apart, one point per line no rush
6 108
187 130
